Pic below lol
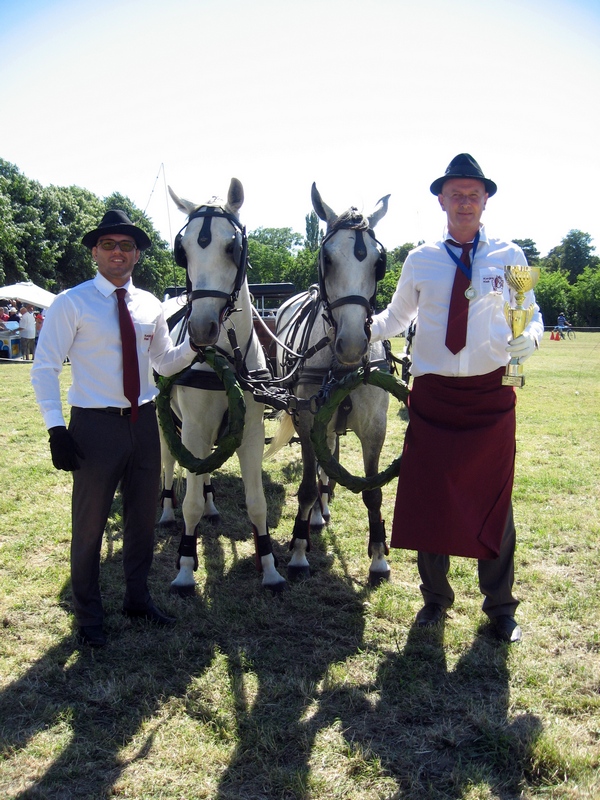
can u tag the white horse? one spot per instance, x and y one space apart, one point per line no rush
212 247
351 261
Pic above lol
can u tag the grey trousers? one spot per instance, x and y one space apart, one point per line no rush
496 576
116 452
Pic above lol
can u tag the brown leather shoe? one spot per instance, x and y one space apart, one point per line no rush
431 614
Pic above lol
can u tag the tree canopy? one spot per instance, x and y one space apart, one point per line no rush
41 230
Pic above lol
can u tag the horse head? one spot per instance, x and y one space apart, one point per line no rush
351 262
212 248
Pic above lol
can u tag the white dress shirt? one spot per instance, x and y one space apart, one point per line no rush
82 324
425 287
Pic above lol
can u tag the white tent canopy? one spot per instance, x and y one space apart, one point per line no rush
27 292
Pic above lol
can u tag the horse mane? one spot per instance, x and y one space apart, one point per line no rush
352 218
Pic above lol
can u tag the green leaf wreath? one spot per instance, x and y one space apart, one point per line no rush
228 443
318 435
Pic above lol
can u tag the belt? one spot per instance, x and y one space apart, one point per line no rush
121 412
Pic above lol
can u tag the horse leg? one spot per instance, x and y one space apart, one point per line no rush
211 513
250 455
298 566
197 437
370 429
168 496
321 514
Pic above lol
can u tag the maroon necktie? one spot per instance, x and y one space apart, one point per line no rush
131 369
456 330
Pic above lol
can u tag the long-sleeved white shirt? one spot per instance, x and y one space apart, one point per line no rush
424 289
82 324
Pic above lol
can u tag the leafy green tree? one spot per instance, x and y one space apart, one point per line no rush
554 294
586 297
303 271
314 237
572 255
528 246
387 286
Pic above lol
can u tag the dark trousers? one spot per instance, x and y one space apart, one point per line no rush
496 576
116 452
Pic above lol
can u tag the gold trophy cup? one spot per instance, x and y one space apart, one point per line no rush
521 279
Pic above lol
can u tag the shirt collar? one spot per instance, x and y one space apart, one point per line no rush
482 235
106 288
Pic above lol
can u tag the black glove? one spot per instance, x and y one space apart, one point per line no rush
65 450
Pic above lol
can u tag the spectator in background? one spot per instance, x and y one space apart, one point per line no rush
27 330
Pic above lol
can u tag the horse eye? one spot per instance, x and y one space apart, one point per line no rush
229 247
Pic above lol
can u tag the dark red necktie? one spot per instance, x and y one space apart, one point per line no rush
458 313
131 369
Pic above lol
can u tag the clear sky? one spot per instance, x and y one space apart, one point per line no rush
365 98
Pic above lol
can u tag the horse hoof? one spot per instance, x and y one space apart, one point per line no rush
317 527
214 519
377 578
296 574
183 591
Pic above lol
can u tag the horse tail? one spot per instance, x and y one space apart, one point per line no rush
283 434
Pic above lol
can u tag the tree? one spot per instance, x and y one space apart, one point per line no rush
528 246
554 294
395 260
586 297
573 255
313 233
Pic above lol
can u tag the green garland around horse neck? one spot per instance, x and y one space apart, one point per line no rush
318 435
228 443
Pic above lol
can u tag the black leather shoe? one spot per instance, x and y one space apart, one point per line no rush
92 635
506 629
431 614
150 613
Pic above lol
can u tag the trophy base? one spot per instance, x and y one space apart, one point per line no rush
513 380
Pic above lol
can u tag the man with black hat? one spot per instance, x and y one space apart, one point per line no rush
457 468
113 335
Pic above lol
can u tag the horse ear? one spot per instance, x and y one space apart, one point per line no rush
183 205
380 211
235 195
322 210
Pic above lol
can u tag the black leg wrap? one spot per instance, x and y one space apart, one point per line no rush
262 547
171 495
208 487
188 548
377 536
301 531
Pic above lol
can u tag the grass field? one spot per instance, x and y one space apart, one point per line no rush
329 692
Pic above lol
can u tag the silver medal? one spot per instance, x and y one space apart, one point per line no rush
470 293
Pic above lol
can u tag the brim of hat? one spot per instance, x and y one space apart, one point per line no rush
141 239
437 186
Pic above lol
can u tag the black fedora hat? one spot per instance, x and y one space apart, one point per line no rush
463 166
117 221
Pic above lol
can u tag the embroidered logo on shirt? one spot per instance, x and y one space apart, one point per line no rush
493 283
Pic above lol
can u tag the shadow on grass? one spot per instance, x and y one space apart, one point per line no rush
416 727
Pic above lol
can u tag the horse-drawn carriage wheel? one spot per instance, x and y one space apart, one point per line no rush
228 443
318 435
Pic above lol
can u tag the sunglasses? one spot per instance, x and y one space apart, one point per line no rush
110 244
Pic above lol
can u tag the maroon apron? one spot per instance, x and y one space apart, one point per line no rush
457 468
